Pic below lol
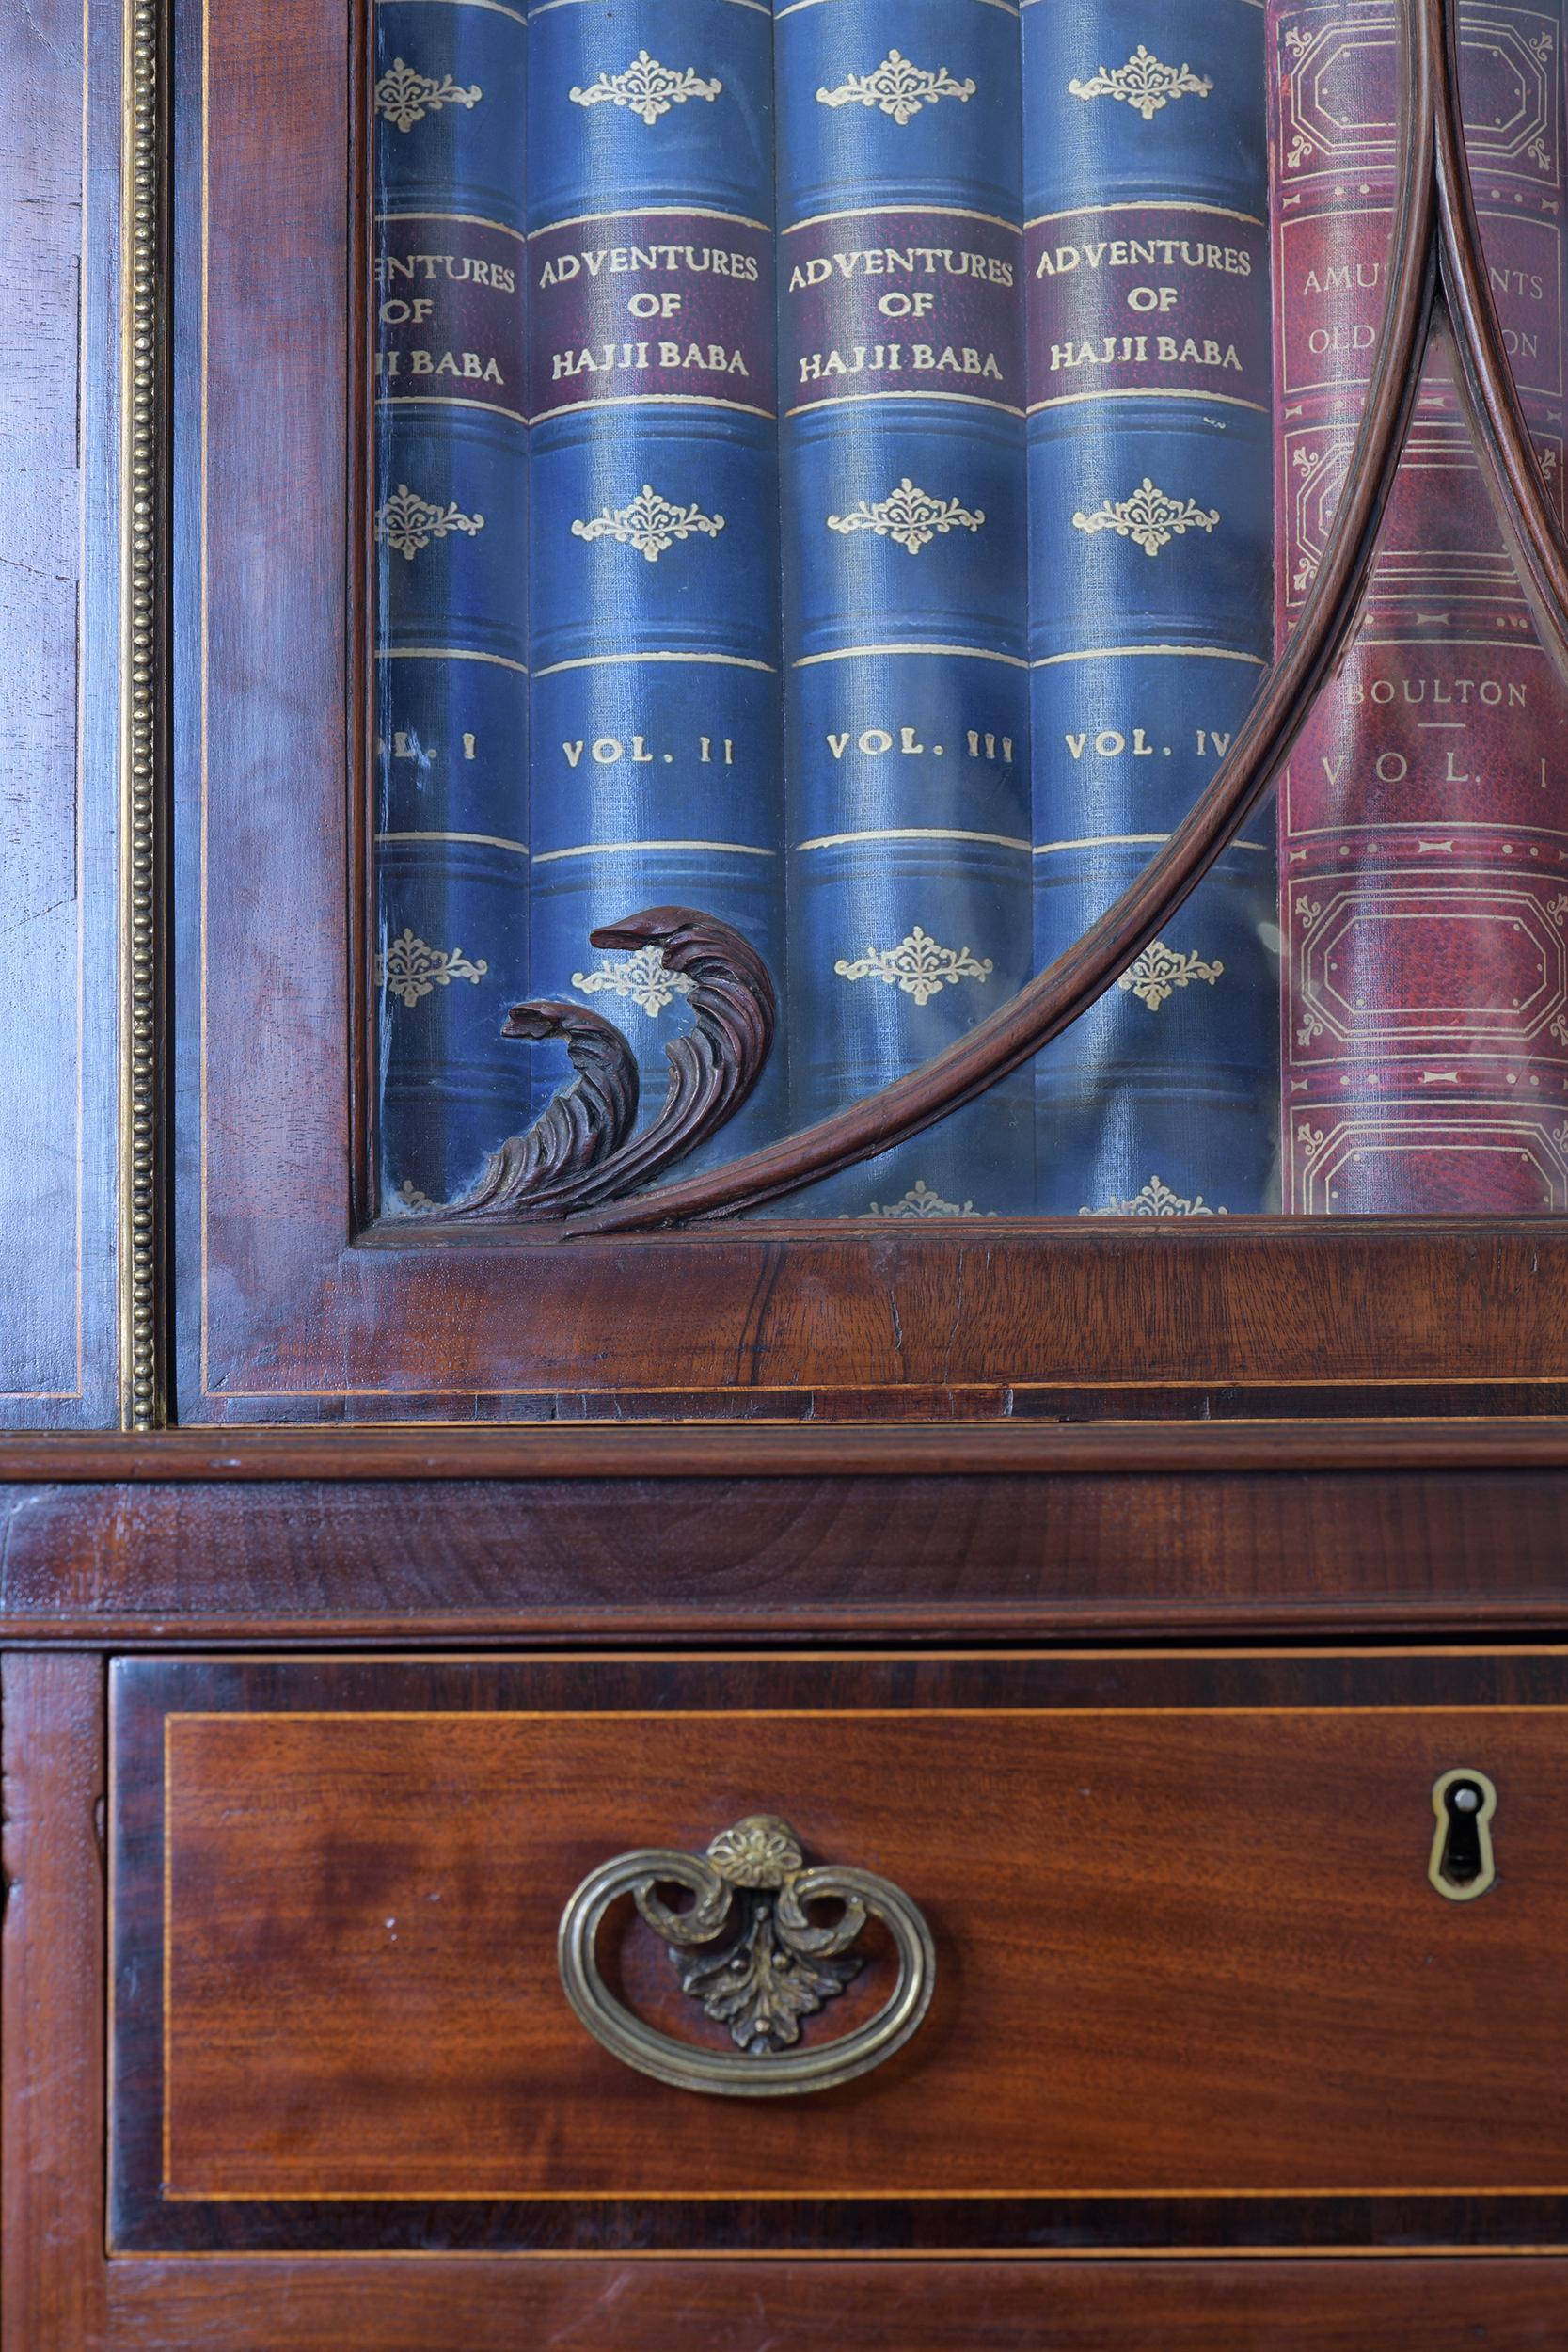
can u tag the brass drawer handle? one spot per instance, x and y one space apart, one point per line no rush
775 1970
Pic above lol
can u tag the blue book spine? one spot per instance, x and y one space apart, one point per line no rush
450 491
655 483
1151 583
901 375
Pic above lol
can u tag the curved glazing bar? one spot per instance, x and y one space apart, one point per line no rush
1079 976
1494 410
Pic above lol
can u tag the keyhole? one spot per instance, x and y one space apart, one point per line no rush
1462 1860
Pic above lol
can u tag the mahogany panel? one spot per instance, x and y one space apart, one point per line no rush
376 1332
779 1559
51 2004
1194 1983
765 1559
498 2305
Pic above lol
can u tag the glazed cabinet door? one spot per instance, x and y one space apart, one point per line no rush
352 785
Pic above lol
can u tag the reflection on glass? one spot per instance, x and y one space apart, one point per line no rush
938 415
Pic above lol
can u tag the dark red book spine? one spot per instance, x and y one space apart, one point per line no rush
1423 813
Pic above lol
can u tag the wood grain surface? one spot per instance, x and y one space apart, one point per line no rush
1021 1447
775 1558
1192 1972
52 2103
539 2306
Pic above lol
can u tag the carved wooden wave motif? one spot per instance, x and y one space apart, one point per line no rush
582 1150
1438 284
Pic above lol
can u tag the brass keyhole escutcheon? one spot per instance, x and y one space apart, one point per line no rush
1463 1866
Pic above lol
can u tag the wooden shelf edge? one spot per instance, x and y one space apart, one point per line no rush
393 1451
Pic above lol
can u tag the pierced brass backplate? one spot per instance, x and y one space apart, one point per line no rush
1462 1865
749 1953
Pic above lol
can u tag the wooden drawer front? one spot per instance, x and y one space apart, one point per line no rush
1195 1985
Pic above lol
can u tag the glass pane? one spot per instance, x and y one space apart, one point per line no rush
1425 803
451 486
851 475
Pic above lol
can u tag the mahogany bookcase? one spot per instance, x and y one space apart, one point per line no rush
342 1531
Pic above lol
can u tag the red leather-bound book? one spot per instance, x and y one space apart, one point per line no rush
1423 813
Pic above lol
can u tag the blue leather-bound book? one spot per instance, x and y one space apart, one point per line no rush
901 396
655 748
1150 582
450 493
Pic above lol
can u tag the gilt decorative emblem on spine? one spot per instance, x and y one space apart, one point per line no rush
650 523
919 966
645 977
403 96
1153 976
410 1201
1151 517
921 1200
911 516
1144 83
408 523
1156 1199
647 89
897 88
409 969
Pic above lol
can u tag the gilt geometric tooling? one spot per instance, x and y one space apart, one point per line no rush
1479 964
1380 1156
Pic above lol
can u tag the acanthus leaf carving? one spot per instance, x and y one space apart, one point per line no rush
584 1124
582 1150
777 1969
